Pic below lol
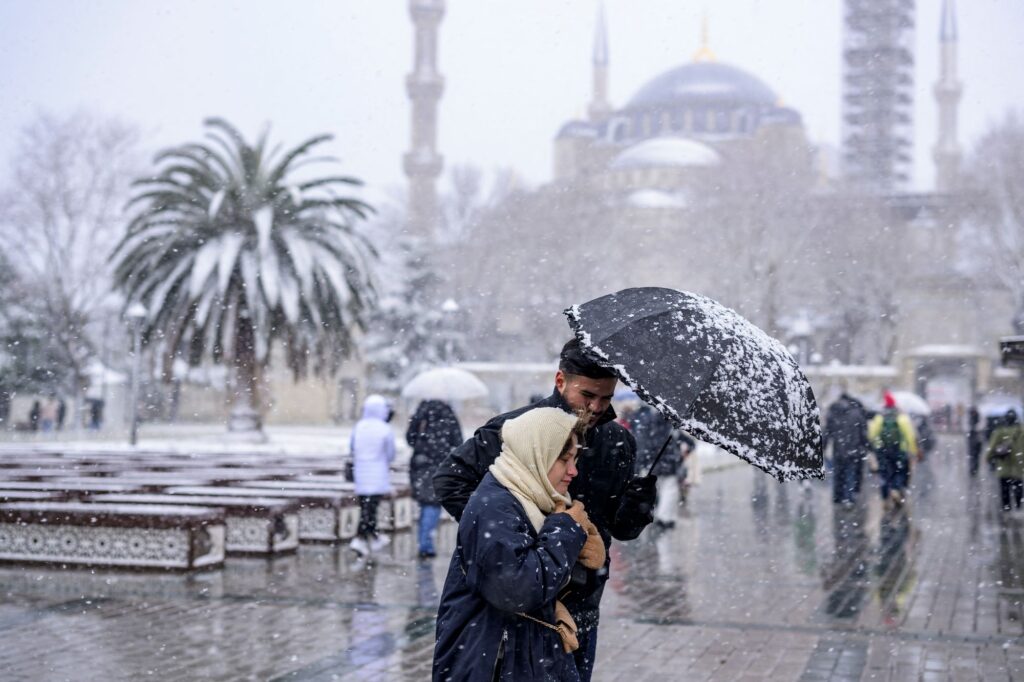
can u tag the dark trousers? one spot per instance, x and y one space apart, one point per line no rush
894 468
1011 490
845 478
586 654
368 515
973 452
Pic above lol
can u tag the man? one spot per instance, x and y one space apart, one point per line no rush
651 430
1006 454
618 504
892 436
846 427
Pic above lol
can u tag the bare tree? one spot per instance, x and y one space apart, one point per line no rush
60 215
994 194
757 205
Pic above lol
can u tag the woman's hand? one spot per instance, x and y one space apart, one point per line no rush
576 511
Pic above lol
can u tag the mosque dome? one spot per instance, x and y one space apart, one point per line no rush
666 152
703 83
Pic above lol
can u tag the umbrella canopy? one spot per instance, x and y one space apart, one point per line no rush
711 372
911 403
445 383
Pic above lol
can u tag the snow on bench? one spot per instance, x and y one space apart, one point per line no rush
394 514
254 525
324 515
137 536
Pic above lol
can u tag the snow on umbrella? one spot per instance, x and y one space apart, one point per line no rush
710 371
911 403
445 383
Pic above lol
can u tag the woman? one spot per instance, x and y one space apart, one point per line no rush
373 450
433 432
500 617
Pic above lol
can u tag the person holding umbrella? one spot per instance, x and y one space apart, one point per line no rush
433 431
619 505
520 535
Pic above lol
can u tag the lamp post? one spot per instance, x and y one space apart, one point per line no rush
136 315
449 312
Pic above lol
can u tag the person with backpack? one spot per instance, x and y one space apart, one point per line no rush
1006 454
892 437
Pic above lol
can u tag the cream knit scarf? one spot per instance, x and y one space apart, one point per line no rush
530 445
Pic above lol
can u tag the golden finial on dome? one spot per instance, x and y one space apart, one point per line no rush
704 54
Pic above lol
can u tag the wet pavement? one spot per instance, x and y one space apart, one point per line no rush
759 581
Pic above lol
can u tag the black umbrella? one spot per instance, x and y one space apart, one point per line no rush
709 371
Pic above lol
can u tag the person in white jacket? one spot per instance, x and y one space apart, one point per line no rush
373 450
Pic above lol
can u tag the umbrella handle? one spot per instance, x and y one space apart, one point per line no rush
660 453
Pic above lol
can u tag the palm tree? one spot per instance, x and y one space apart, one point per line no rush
230 253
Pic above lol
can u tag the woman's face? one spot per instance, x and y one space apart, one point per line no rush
563 470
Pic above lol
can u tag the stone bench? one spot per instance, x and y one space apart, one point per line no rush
136 536
75 488
254 525
394 514
30 495
324 516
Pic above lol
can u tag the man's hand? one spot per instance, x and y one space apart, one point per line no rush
643 490
576 511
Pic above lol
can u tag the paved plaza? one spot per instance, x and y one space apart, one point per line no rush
760 581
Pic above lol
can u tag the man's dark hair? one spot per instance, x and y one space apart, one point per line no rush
575 360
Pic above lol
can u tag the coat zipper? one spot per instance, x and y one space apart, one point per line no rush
501 656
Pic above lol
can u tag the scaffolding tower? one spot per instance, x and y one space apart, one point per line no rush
878 93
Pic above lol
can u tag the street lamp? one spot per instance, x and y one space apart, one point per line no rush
136 315
449 311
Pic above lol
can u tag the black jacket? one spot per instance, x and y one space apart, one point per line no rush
651 430
846 426
433 432
605 469
501 567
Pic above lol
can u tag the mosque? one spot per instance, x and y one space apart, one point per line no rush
649 152
680 122
642 162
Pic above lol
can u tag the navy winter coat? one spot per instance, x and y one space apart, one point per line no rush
501 567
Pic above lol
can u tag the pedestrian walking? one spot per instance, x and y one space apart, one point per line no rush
1006 454
33 415
48 414
372 450
650 429
619 504
433 432
974 440
892 437
62 413
520 535
846 428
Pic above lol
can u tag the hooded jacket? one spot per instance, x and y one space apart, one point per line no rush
846 427
373 448
433 432
605 469
513 557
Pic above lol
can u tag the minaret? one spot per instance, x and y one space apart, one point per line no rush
600 109
947 95
424 86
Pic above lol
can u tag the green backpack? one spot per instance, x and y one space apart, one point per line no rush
890 434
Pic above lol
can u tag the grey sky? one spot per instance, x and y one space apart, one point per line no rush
515 69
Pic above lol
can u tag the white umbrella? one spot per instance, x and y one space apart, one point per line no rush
445 383
911 403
